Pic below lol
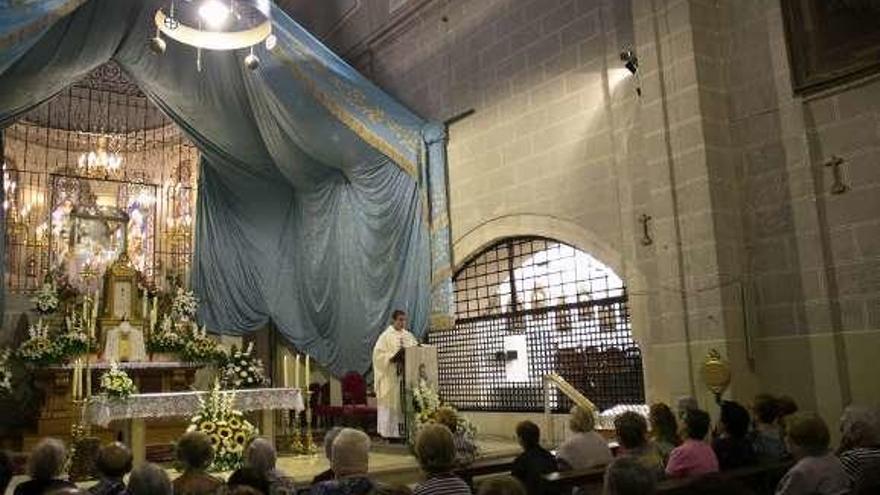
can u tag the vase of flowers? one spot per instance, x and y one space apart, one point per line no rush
165 343
116 384
239 369
426 403
184 305
39 349
227 428
46 299
200 348
74 341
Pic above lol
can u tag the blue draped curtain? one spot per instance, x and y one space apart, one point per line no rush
310 210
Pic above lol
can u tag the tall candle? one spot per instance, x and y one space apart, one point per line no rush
284 371
308 372
73 382
154 314
144 301
85 311
296 372
88 381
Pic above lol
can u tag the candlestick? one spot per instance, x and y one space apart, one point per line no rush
88 378
284 370
85 310
73 383
296 372
308 373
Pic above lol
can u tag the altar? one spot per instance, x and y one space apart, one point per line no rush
137 409
58 412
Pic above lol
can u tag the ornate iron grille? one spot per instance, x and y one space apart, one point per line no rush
527 307
40 154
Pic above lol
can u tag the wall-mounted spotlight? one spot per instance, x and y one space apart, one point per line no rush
631 62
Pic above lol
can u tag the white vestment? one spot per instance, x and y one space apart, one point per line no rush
386 381
125 343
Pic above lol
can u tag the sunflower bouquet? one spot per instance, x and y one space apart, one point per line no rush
200 348
241 370
46 299
184 305
39 348
227 428
116 384
5 372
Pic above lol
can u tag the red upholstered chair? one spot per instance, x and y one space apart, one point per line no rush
354 400
354 389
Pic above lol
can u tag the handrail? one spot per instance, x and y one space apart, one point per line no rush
553 379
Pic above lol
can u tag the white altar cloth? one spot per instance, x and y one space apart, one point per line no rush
102 410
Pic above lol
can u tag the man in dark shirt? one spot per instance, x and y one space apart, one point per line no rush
535 461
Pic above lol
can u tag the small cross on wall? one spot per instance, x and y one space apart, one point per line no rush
837 186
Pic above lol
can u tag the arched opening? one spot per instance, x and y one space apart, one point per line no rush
529 306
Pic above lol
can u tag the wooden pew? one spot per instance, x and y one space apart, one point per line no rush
484 468
761 479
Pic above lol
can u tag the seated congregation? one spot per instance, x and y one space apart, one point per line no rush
665 453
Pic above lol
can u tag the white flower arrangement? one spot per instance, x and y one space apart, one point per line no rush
227 428
74 341
166 339
5 372
115 383
39 348
241 370
46 299
184 305
426 403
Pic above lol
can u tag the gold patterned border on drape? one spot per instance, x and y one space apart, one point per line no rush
47 20
357 99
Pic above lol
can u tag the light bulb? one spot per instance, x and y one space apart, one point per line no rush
271 41
214 13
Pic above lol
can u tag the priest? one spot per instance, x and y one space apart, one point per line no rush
387 376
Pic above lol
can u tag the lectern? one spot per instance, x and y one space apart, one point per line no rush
417 364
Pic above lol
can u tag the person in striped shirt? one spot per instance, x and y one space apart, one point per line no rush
435 450
860 441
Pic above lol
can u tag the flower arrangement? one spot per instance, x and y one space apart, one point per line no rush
5 371
74 341
241 370
227 428
46 299
39 348
199 348
165 339
426 403
184 305
116 384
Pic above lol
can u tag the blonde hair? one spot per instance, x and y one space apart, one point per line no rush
447 417
582 420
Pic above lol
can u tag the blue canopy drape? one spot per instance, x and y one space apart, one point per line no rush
312 207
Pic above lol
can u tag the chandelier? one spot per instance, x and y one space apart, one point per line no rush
220 25
101 162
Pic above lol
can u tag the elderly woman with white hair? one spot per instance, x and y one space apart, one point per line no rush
350 462
584 448
860 442
44 467
260 456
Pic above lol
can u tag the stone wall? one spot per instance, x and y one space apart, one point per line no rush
751 254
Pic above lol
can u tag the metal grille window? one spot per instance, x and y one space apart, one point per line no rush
526 307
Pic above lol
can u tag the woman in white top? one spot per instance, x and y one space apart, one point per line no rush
584 448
